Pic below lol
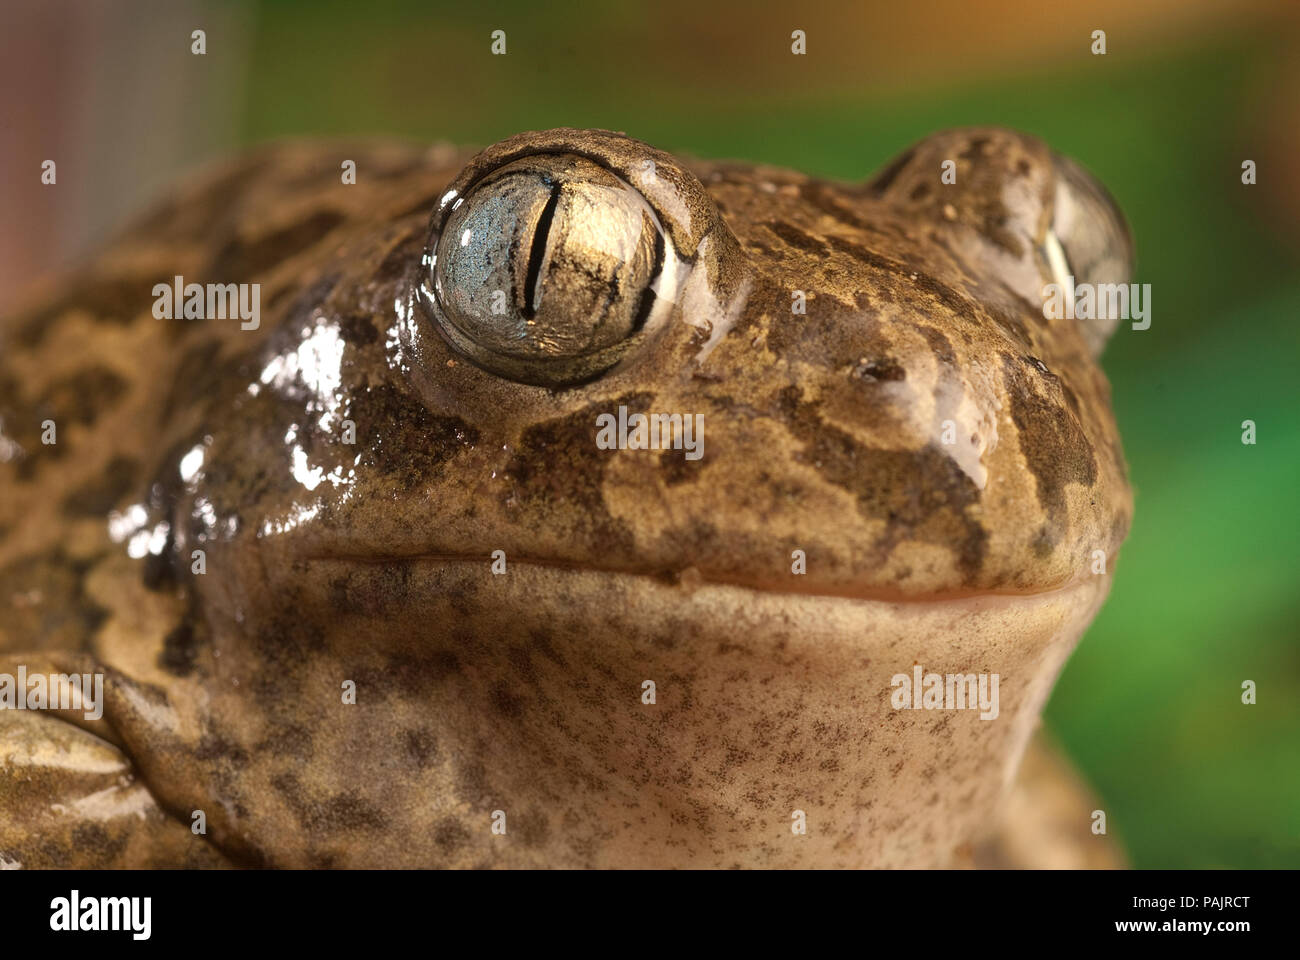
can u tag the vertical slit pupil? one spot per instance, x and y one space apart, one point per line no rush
647 301
538 251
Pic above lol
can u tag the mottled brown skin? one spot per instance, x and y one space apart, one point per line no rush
521 692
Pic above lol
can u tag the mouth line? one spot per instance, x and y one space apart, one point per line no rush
690 578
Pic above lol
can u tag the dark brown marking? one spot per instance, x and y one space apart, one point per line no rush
1055 447
104 299
358 330
533 827
421 746
212 746
958 304
46 606
180 651
887 176
506 703
97 496
288 740
416 443
675 469
796 238
994 217
197 375
939 344
241 260
107 846
922 494
348 811
450 835
81 397
558 462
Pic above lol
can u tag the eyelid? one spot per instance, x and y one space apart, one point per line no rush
684 208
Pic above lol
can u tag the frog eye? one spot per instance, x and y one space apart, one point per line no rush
1088 240
549 270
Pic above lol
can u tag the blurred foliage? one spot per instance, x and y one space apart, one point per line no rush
1205 594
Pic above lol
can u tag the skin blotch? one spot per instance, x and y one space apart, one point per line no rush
242 259
370 590
347 811
414 444
884 368
677 469
798 238
450 835
102 493
421 746
198 374
507 703
45 606
180 651
939 344
357 330
946 295
557 463
82 397
922 495
290 740
288 641
533 828
113 300
214 747
1054 445
106 846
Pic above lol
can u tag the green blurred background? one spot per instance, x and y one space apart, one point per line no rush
1205 595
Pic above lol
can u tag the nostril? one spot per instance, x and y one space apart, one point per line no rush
884 368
